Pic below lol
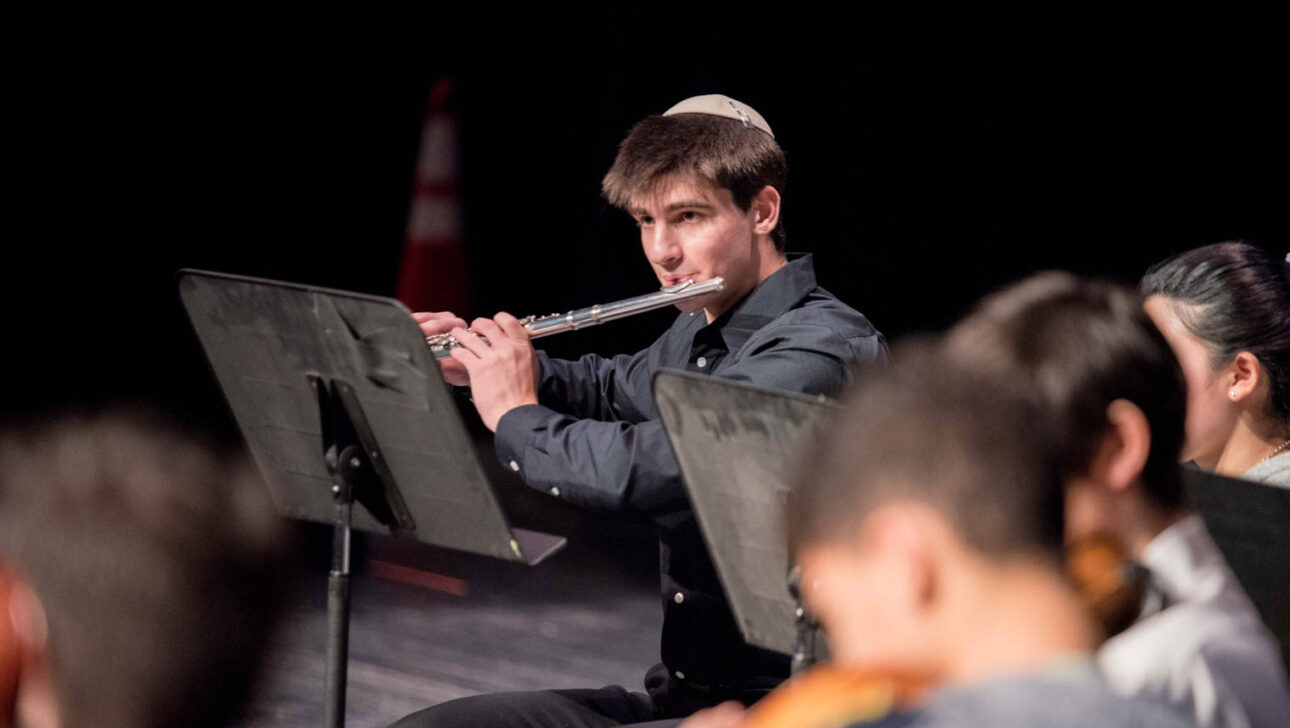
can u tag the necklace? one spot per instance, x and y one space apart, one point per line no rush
1272 454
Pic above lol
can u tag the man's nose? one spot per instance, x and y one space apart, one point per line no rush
661 245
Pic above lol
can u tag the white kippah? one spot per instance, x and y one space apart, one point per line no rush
719 105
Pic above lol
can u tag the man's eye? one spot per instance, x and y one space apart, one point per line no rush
690 216
644 221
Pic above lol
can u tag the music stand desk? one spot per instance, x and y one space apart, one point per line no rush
737 445
340 401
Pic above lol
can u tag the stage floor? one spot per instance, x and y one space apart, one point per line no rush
576 621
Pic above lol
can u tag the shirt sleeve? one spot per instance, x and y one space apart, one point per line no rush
595 387
625 465
611 465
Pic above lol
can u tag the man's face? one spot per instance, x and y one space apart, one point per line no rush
691 230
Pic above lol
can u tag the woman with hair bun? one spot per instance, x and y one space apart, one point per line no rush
1225 310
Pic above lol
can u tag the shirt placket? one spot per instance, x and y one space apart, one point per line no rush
706 352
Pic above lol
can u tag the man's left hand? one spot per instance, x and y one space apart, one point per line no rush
729 714
502 366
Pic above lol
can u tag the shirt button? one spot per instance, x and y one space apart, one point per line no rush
555 490
678 597
701 362
679 675
515 466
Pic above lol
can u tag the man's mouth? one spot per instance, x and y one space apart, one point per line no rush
673 280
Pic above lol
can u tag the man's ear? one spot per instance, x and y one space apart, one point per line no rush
21 614
765 209
1244 374
24 661
1122 454
10 649
822 587
906 535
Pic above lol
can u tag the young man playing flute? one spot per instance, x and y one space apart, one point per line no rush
704 183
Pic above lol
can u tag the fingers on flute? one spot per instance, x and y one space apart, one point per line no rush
488 329
437 322
470 342
511 326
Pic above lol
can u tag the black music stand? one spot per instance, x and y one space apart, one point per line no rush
339 400
738 445
1250 522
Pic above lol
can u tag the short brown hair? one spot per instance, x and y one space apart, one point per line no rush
713 149
929 430
1077 345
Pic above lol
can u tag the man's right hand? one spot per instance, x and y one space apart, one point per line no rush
443 322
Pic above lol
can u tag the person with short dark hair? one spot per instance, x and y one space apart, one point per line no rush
704 183
682 144
1088 353
928 527
1225 310
138 575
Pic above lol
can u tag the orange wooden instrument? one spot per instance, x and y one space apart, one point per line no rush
1107 581
829 697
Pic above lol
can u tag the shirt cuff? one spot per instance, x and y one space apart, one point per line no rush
514 431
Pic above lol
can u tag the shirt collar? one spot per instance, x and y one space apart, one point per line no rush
1185 562
772 297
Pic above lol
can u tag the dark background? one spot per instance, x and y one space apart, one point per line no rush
922 175
927 167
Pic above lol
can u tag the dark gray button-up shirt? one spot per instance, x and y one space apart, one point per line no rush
596 440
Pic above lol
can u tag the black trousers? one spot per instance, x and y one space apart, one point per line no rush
667 703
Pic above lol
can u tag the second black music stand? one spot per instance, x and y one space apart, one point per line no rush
737 445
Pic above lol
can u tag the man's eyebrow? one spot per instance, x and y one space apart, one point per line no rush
673 207
689 205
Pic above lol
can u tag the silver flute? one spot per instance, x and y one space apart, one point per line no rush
558 323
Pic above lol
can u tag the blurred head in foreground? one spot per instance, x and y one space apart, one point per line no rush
1089 355
137 574
928 527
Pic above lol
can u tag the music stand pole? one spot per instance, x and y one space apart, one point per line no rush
338 585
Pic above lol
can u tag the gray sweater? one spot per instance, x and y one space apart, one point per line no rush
1048 700
1273 471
